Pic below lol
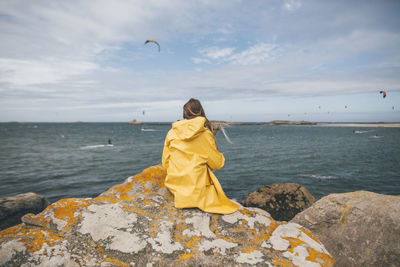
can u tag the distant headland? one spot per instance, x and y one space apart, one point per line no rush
279 122
134 122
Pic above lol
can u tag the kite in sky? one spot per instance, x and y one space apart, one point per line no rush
384 93
152 41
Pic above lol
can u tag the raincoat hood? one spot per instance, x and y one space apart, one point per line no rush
188 129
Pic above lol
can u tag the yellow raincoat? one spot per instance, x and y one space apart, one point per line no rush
189 155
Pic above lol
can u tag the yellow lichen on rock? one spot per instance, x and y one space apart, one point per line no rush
281 263
65 210
33 238
319 257
116 262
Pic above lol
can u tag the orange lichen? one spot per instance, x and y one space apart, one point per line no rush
248 250
190 242
116 193
154 175
319 257
154 228
193 241
65 209
100 249
310 235
117 262
280 263
34 238
254 238
294 242
10 232
38 220
185 256
248 213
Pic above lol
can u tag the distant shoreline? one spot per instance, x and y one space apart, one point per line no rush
376 124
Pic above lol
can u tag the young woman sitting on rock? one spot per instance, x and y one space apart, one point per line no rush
190 154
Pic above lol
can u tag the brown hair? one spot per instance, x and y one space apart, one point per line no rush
193 109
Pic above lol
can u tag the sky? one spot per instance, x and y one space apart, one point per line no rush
253 60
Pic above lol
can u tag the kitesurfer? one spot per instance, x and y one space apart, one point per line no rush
152 41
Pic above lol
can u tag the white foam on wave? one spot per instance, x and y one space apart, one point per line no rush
96 146
147 130
361 132
317 176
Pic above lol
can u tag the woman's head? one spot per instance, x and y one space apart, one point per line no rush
193 109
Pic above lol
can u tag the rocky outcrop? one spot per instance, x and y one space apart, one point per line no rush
282 200
278 122
134 122
359 228
13 208
136 224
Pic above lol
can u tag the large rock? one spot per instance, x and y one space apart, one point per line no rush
359 229
282 200
13 208
136 223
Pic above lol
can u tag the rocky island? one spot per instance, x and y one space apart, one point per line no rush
282 122
134 122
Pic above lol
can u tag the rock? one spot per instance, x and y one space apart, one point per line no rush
136 224
359 228
134 122
282 122
13 208
282 200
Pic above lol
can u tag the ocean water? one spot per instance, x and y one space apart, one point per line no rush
62 160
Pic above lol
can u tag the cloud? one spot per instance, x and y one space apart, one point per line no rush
291 5
216 52
20 72
255 54
197 60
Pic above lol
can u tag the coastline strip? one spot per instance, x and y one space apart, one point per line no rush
358 124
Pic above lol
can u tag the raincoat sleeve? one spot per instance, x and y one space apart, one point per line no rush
216 160
165 154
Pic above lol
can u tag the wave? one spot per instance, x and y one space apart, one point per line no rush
96 146
361 132
147 130
317 176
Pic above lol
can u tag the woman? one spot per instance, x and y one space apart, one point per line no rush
190 152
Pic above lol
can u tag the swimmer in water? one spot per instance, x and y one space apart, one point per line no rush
109 142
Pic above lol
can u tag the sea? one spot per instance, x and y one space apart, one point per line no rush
65 160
